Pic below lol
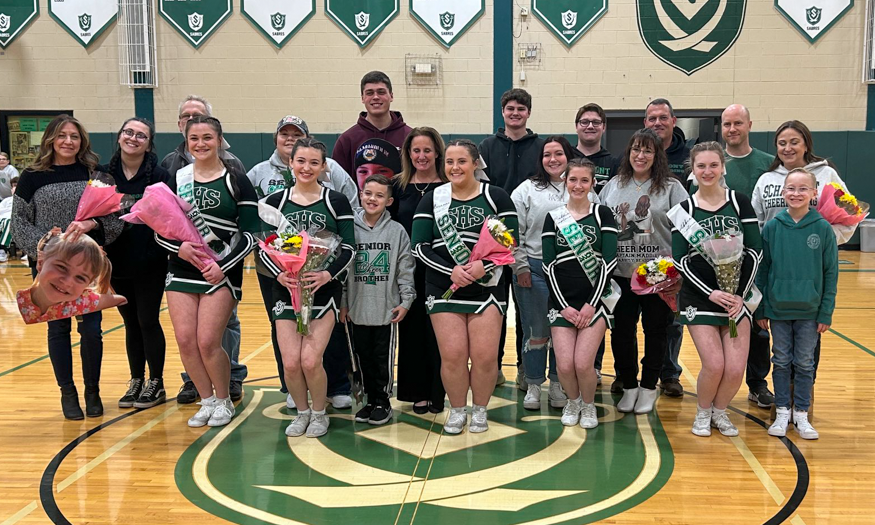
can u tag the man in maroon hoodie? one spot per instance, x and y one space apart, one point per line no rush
377 121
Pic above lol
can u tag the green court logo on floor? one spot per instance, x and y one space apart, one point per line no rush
527 468
362 20
690 35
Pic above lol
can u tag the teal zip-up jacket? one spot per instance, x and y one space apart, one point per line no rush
799 272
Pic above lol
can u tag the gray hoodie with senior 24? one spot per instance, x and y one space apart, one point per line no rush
270 176
382 276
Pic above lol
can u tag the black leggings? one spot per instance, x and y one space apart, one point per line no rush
144 336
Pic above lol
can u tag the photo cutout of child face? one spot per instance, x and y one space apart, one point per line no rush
64 280
376 157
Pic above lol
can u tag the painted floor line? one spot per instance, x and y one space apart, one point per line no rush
757 467
256 352
21 514
846 338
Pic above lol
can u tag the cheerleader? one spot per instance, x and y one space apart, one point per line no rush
468 324
704 308
582 296
305 205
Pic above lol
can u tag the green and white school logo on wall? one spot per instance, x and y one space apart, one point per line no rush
569 19
15 15
278 20
362 20
84 20
813 18
526 468
195 21
447 21
689 35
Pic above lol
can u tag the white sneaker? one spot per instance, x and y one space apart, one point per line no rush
782 420
532 401
521 378
223 411
598 377
298 425
500 379
571 412
456 421
802 426
556 395
290 403
318 425
720 421
702 423
588 416
479 422
341 401
627 403
203 415
646 399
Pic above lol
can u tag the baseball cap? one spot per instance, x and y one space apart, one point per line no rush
291 120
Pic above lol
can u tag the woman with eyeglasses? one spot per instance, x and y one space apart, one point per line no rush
139 266
640 196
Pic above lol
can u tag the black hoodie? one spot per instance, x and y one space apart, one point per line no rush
510 162
677 154
606 165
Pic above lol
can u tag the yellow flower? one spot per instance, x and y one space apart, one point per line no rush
662 265
848 198
642 270
836 185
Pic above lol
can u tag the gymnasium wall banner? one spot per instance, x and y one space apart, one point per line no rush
85 20
363 20
569 19
195 20
447 20
689 36
813 18
278 20
15 15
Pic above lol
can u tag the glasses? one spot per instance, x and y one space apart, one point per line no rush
188 116
129 133
648 153
793 189
587 123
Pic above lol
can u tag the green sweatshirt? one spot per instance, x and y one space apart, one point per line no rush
799 272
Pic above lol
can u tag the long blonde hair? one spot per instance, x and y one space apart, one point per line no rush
55 245
407 169
46 157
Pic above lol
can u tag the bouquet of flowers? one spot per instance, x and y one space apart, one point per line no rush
100 198
299 253
838 206
496 244
655 276
724 251
166 213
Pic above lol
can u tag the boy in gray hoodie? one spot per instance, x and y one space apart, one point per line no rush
377 295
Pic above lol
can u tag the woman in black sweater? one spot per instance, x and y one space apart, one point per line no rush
47 195
139 266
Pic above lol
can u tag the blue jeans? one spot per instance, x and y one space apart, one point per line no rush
231 346
793 345
532 304
675 336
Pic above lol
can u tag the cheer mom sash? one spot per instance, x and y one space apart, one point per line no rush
185 191
585 255
443 196
695 234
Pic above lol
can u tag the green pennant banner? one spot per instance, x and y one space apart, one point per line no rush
278 20
84 20
362 20
195 20
447 20
569 19
15 15
813 18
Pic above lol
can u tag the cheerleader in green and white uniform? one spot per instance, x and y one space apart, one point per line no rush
467 325
201 296
579 243
304 205
704 308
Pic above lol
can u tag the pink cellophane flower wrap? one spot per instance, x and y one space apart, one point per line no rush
489 249
290 262
835 214
100 198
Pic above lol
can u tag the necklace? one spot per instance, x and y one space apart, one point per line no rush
641 185
422 191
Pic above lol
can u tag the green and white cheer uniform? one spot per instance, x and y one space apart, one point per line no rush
230 217
462 224
567 281
330 213
700 279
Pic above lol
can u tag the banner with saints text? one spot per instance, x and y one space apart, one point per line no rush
278 20
447 20
363 20
813 18
85 20
569 19
195 20
15 15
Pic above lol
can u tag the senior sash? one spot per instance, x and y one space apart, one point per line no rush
185 191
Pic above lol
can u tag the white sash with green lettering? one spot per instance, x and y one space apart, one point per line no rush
185 191
695 234
443 196
5 221
585 255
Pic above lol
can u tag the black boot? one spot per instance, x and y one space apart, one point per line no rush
93 405
70 403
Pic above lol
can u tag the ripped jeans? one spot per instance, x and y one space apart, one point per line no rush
532 304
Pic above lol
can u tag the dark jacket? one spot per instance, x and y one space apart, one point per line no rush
351 139
135 252
176 159
606 165
678 153
510 162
